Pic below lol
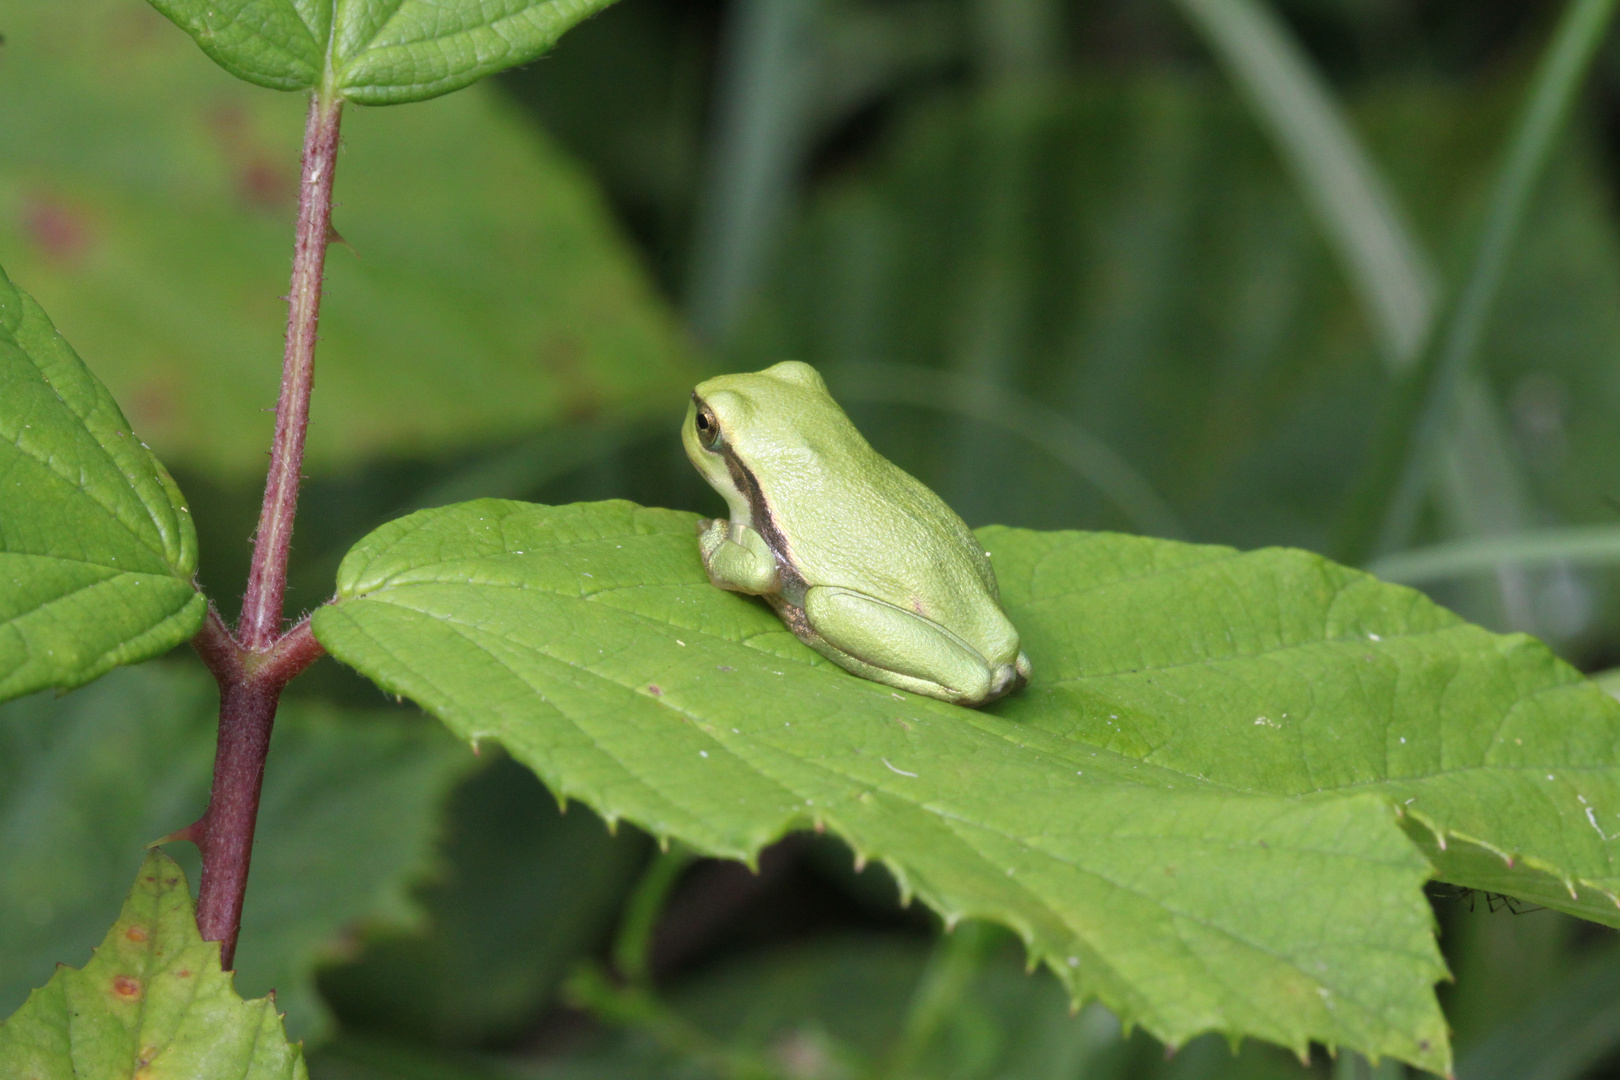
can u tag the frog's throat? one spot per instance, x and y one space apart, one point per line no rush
762 521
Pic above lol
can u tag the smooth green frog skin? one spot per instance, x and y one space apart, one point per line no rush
860 560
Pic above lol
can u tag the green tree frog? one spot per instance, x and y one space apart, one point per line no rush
861 561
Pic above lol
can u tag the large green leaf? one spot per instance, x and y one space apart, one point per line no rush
377 52
152 1002
587 640
148 199
97 548
1279 672
348 818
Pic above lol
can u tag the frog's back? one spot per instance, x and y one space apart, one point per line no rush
857 520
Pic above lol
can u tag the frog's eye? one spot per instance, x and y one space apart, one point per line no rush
708 428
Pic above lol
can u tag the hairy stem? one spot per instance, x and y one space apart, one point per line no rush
267 581
254 664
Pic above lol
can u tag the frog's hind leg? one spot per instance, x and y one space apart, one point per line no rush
917 653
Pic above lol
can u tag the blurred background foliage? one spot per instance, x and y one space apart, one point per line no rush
1061 260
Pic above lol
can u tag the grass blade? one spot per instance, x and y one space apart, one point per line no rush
1393 492
1385 263
1586 544
763 104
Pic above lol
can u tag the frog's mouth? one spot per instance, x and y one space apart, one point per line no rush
743 495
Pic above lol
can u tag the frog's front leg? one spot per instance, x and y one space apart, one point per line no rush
890 645
736 557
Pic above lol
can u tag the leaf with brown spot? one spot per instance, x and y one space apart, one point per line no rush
150 1024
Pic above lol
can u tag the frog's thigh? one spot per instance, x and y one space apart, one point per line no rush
891 638
748 567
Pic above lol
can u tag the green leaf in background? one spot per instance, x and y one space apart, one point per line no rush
814 1008
1564 1032
587 640
376 52
348 818
834 1007
97 547
1282 673
152 1002
525 892
148 200
841 1005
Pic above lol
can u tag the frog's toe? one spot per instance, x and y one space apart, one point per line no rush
1006 678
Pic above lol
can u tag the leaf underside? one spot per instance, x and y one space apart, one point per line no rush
152 1003
97 548
375 52
587 640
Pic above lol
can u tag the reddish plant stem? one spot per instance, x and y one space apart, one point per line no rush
267 581
254 664
250 685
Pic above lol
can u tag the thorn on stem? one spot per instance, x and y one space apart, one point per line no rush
191 834
335 237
